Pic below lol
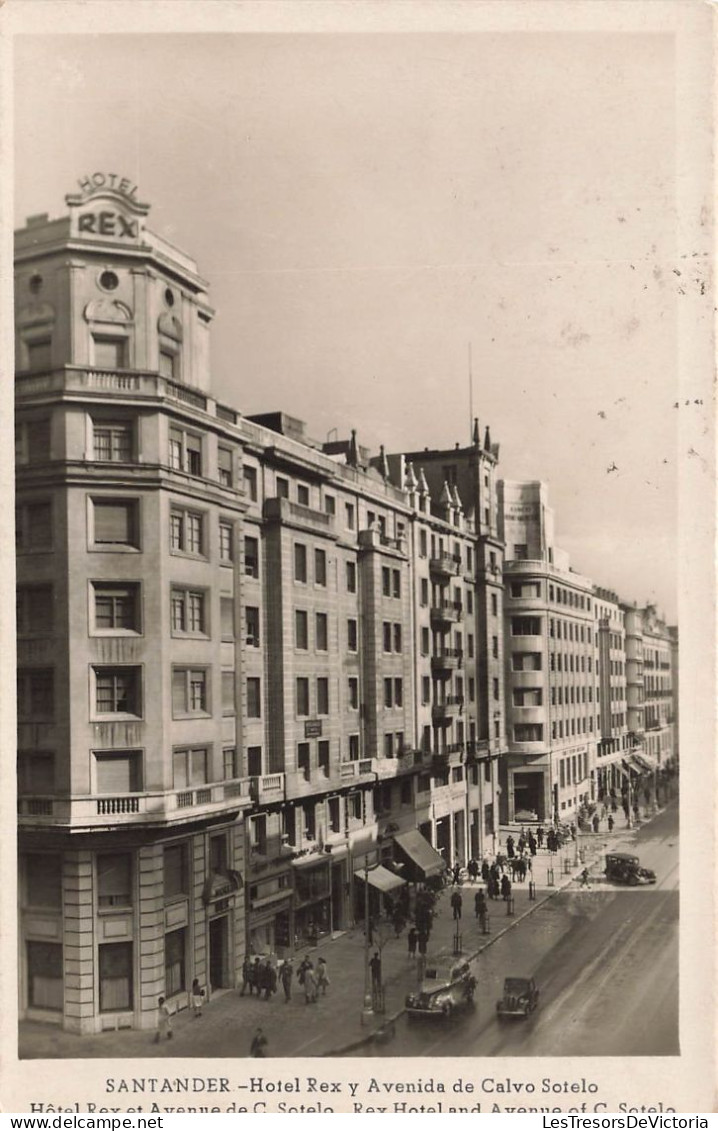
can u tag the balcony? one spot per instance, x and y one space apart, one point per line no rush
446 612
404 763
295 514
152 808
445 565
357 771
267 788
449 660
452 705
477 751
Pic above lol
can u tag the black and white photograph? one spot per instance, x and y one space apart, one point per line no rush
361 392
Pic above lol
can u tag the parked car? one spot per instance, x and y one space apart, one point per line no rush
520 998
447 985
624 868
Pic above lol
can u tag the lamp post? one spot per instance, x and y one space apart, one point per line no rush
368 1007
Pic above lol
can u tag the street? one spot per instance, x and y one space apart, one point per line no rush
605 961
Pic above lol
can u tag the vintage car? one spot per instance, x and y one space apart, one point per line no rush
520 998
624 868
447 984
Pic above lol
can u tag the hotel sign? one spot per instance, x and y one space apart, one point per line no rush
106 207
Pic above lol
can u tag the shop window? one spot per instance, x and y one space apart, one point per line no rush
44 976
175 962
114 880
118 771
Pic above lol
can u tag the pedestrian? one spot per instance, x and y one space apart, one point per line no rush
197 998
310 984
480 904
484 870
246 976
301 972
255 975
422 939
285 975
261 981
610 822
322 975
473 870
540 836
505 887
573 831
510 847
271 979
456 902
532 844
457 872
164 1021
375 967
585 879
411 941
259 1043
521 844
595 822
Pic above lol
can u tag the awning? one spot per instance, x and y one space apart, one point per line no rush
380 877
425 858
645 761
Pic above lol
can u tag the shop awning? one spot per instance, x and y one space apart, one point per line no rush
644 761
380 877
424 858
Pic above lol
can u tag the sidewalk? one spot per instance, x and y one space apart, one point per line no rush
334 1024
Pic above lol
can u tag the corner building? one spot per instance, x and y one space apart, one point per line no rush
251 667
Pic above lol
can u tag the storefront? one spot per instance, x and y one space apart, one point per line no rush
319 896
421 860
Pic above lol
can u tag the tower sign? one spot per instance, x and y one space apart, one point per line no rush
106 207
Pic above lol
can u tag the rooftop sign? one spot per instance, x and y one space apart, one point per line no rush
106 207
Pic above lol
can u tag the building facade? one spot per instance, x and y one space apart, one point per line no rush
251 667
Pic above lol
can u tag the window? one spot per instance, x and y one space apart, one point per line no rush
353 747
36 772
472 689
387 636
388 693
282 487
225 466
33 526
109 353
528 696
353 686
190 692
388 745
116 606
396 583
34 610
350 515
228 704
310 821
115 522
251 557
422 544
254 761
470 645
118 690
185 451
424 593
302 695
186 531
521 551
113 441
114 880
230 763
496 689
43 881
187 611
334 814
398 693
322 632
249 478
495 646
168 363
251 623
330 505
525 626
118 771
254 698
352 638
44 976
189 766
425 642
175 871
528 732
175 966
322 695
386 581
320 567
302 495
300 562
351 577
301 629
323 757
303 760
397 638
226 542
39 354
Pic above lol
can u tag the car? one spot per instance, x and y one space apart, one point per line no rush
520 998
625 868
446 985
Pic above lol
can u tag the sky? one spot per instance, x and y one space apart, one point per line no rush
377 216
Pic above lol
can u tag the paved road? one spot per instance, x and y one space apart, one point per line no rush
606 962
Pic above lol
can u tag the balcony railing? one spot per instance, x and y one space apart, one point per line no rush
453 704
267 788
448 660
446 564
161 807
356 769
446 611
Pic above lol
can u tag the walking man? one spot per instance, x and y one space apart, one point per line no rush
259 1043
585 879
246 976
411 940
164 1021
505 887
456 902
322 975
310 984
480 904
286 974
375 967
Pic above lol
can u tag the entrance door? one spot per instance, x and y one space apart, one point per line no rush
337 896
219 953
